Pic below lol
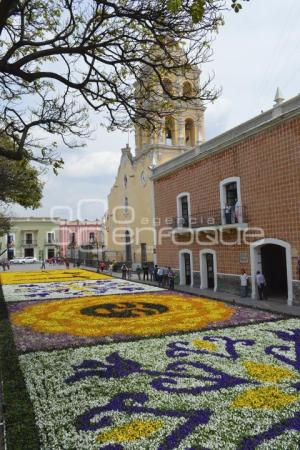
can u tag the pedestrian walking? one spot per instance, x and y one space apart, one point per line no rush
151 273
165 280
160 275
261 285
155 272
145 272
124 269
67 263
244 284
43 264
3 265
110 268
139 271
102 266
171 278
129 273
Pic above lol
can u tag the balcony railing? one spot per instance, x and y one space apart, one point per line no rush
218 217
29 243
51 241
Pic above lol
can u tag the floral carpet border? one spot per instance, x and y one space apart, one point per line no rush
21 431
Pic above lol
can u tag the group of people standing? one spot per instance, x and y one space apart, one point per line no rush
260 282
164 276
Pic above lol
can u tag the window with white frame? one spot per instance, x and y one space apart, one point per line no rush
50 237
183 209
231 201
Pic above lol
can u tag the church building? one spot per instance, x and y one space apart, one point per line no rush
130 219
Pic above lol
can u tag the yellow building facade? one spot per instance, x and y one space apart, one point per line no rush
130 219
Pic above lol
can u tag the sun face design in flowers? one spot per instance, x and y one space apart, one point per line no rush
123 310
141 315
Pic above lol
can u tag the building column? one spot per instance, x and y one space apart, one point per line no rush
200 135
181 131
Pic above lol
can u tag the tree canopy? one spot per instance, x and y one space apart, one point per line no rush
59 57
19 182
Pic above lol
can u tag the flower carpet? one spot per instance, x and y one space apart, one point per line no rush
234 388
152 369
71 289
47 276
58 323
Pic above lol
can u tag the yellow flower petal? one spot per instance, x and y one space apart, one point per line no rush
205 345
131 431
269 397
267 372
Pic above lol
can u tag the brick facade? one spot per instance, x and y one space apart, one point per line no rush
267 163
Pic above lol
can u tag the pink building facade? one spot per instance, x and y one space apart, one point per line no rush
78 236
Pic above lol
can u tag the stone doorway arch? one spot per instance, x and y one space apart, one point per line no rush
261 254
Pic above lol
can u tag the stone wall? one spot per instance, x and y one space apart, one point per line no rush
296 291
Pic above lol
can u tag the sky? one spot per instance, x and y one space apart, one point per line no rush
256 51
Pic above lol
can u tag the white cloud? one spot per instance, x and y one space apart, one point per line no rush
92 164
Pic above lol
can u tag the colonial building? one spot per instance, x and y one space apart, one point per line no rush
130 217
81 240
36 237
43 237
233 203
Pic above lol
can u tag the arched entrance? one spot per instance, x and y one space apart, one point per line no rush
208 269
272 257
186 268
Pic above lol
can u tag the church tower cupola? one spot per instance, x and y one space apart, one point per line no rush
181 114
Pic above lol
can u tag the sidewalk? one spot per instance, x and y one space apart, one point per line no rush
273 305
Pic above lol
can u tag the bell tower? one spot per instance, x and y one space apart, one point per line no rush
180 129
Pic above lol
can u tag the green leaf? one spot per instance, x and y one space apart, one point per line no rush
174 5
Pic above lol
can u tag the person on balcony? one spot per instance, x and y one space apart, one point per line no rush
237 212
228 214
